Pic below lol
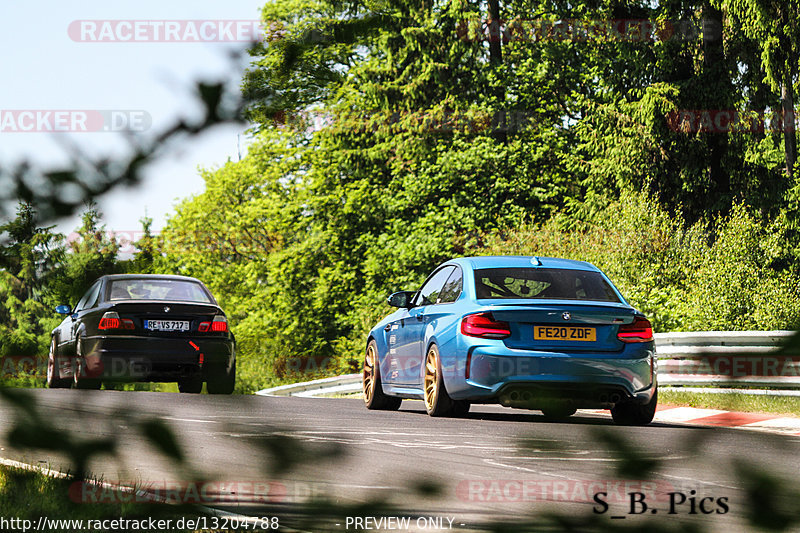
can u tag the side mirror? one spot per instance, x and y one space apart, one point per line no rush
63 309
401 299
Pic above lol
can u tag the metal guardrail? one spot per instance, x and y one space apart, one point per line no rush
704 358
727 359
317 387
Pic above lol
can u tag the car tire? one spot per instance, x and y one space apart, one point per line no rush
192 385
79 381
558 412
53 381
374 397
635 414
437 401
222 382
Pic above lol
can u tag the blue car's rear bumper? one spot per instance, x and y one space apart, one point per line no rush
492 372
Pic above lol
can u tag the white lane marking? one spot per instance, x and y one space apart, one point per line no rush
598 459
492 462
439 445
695 480
189 420
378 433
685 414
551 458
539 450
364 439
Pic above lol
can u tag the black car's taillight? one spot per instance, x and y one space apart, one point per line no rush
484 325
218 325
111 320
639 330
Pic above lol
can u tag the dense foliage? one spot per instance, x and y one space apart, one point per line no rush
39 270
392 135
707 276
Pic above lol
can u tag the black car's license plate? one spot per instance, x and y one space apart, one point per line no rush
167 325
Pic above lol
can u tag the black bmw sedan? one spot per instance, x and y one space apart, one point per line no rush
144 327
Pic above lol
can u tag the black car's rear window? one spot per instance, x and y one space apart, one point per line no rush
157 289
542 283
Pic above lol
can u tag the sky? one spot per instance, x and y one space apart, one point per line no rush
71 56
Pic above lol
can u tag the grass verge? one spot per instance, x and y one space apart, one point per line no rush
781 405
26 496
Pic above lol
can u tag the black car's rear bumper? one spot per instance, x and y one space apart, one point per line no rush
132 358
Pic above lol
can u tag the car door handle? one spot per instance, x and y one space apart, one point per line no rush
387 327
420 318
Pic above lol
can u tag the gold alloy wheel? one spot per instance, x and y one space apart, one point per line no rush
431 379
368 375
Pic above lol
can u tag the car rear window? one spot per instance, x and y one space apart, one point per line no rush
542 283
158 289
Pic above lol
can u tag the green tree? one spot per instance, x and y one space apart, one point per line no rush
147 246
396 134
30 258
232 236
775 26
91 255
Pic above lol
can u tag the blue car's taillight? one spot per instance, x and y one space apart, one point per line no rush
485 326
639 330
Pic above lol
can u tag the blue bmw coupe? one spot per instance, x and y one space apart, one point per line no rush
526 332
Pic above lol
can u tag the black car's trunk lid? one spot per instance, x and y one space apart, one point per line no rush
168 319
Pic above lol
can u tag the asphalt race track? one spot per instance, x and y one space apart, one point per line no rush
269 455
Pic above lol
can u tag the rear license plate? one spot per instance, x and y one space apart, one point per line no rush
167 325
564 333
